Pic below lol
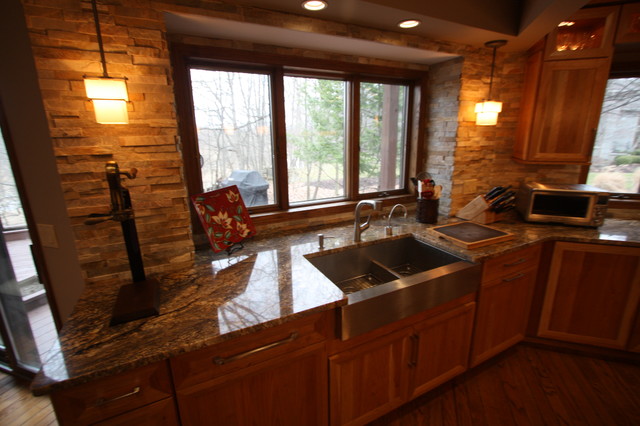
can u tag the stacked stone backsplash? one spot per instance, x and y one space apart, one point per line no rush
65 48
465 158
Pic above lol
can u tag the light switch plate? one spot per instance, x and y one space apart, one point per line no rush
47 234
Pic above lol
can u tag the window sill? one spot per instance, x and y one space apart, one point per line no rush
309 215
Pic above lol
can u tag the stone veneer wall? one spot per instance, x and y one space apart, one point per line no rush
465 158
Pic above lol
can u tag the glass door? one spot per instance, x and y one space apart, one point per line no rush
27 328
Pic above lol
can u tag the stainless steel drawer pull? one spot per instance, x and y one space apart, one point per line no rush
221 361
102 401
517 262
515 277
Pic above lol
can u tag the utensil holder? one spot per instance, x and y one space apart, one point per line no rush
427 210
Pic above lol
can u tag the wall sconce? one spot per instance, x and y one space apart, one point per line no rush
487 111
109 95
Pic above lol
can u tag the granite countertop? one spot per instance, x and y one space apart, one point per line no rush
267 283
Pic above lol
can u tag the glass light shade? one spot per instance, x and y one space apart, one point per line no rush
111 111
109 96
487 113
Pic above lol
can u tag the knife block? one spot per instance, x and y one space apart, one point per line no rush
478 211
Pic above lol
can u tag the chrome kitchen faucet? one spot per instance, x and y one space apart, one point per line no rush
358 227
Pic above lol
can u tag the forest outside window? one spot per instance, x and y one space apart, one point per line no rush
297 138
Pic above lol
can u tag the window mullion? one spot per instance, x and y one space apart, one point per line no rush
353 138
280 138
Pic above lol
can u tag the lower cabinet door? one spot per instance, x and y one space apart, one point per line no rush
369 380
503 312
287 390
440 348
592 294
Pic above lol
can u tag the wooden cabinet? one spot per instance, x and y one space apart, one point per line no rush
440 348
142 396
504 302
565 99
371 379
589 33
629 24
277 376
592 294
565 82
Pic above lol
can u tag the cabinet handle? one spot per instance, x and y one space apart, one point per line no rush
413 362
515 277
102 401
517 262
221 361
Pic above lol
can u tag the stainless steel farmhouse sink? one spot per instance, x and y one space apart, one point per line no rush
393 279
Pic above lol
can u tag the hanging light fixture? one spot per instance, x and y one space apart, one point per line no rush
487 111
109 95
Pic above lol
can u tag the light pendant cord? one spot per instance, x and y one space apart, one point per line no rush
96 19
494 44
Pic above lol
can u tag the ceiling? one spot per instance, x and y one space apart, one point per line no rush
470 22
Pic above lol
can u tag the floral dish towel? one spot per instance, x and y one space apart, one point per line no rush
224 217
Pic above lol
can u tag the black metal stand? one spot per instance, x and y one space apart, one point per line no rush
139 299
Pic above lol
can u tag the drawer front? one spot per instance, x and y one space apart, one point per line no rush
107 397
206 364
511 263
161 413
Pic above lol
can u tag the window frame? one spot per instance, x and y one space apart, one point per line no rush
184 57
617 200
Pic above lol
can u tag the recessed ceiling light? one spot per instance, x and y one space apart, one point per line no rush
314 5
566 24
409 23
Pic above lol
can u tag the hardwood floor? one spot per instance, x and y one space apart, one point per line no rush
19 407
524 386
527 385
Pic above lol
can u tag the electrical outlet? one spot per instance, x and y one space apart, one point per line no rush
47 234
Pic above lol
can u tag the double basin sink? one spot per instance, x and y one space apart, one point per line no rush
392 279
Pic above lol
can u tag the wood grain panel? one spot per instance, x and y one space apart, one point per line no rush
443 348
103 398
503 311
287 390
369 380
592 294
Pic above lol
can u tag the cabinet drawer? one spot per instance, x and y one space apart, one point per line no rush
103 398
510 263
161 413
206 364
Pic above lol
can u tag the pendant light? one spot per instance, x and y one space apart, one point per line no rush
487 111
109 95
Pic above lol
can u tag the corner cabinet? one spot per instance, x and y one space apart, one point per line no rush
592 295
565 82
373 378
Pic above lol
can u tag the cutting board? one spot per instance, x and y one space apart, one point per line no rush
471 235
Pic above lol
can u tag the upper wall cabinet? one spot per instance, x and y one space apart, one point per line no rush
565 82
629 24
587 34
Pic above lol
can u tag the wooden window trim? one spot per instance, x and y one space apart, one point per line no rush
184 56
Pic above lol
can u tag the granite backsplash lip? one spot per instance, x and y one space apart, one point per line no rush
267 283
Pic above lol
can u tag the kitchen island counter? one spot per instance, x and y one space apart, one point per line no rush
267 283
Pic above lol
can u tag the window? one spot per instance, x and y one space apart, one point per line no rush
615 163
294 133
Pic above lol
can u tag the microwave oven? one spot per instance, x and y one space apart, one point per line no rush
570 204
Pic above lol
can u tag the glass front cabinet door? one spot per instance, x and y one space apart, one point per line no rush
587 34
